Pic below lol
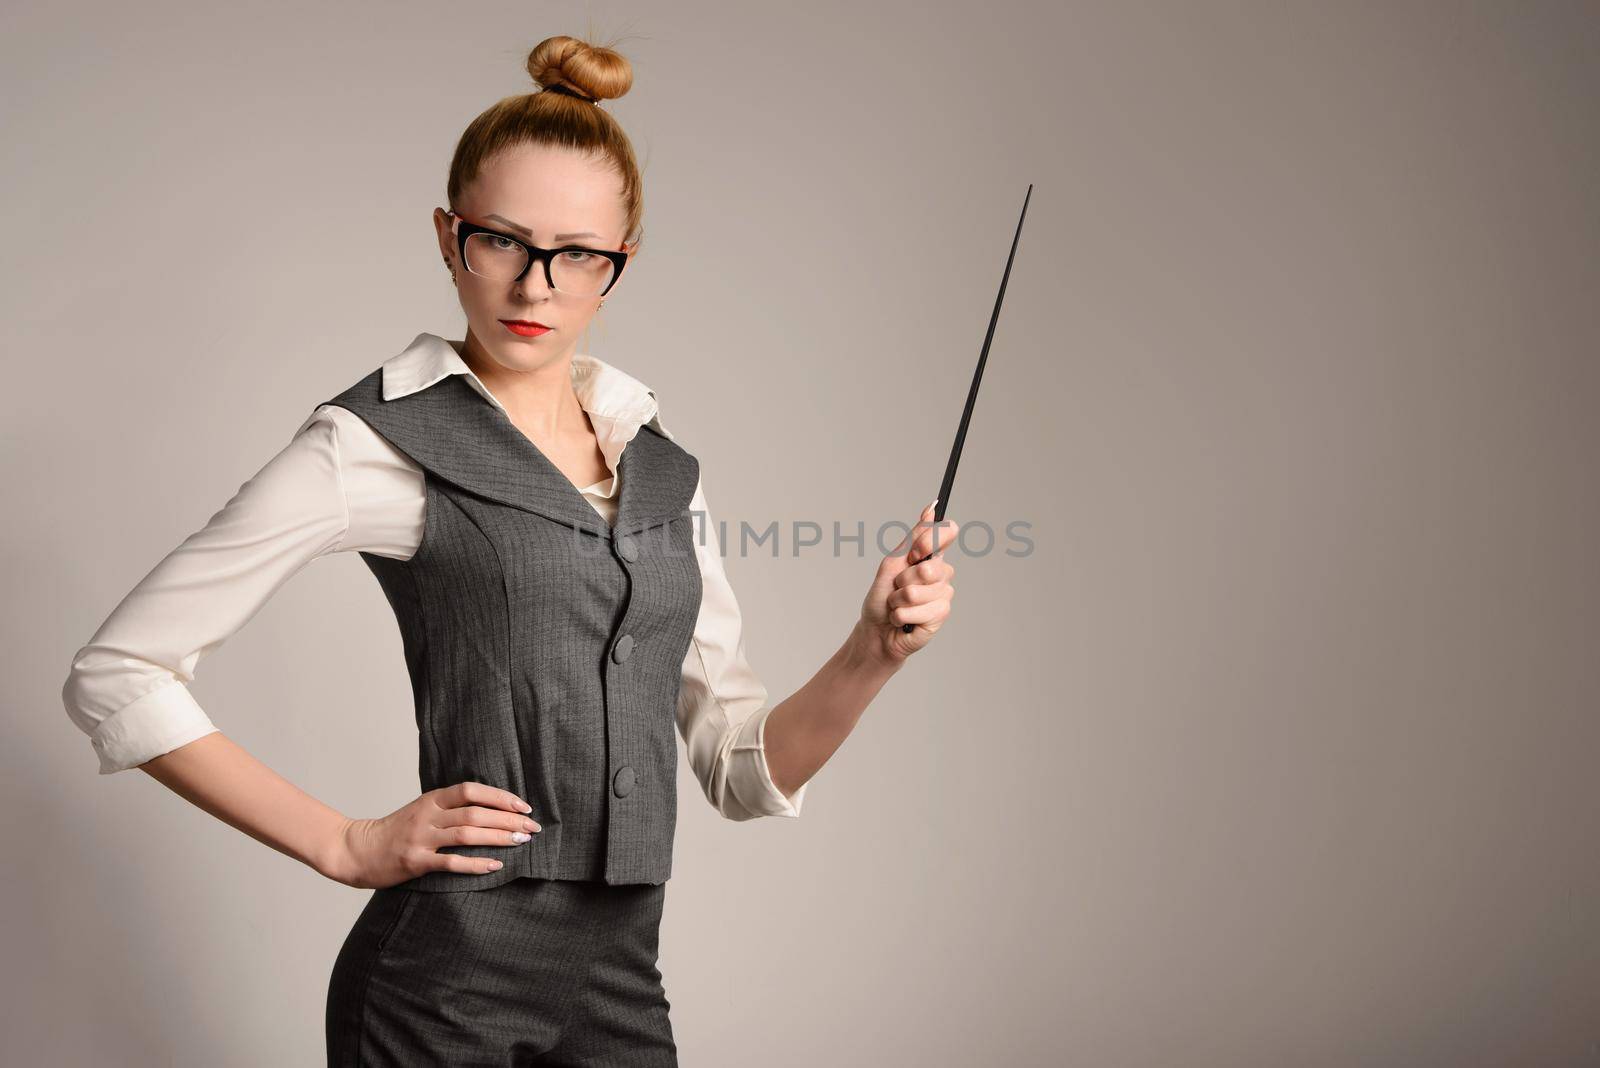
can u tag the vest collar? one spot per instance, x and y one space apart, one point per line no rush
429 385
618 404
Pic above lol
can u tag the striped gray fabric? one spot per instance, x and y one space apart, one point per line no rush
545 649
538 971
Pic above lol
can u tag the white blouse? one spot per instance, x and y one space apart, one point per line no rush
338 486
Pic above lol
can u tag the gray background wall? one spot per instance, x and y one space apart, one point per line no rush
1280 748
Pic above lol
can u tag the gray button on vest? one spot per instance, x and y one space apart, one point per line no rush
624 648
627 548
622 786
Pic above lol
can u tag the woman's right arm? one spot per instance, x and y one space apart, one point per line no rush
128 687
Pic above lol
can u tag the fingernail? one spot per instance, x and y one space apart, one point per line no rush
529 825
525 806
520 836
495 865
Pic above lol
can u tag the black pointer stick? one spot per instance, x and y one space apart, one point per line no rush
972 393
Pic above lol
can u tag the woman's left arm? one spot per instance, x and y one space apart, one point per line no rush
755 760
805 730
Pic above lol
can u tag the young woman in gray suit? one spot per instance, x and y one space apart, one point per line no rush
545 544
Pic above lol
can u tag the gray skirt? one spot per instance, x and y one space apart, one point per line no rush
532 972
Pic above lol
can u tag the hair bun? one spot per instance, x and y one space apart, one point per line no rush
577 68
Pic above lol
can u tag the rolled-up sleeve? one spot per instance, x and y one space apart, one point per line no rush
722 705
128 687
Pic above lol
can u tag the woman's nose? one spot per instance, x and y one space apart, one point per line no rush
534 285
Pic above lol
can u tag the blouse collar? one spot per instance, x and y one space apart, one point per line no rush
618 404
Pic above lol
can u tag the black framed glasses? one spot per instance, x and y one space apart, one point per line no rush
571 269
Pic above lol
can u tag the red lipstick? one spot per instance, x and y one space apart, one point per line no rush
525 327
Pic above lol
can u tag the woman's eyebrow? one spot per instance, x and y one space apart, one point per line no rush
525 232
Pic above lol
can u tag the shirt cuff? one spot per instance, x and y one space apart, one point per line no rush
159 722
751 779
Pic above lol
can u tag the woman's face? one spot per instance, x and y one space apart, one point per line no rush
550 197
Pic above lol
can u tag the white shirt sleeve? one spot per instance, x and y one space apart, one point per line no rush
722 705
128 687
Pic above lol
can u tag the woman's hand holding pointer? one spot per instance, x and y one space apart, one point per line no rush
917 593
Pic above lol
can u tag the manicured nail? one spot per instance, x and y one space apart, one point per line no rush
520 836
495 865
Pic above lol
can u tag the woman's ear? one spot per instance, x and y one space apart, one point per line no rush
632 251
441 229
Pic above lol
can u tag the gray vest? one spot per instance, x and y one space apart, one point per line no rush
545 649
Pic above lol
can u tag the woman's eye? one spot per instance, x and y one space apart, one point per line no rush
578 257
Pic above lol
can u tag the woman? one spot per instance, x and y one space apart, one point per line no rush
556 636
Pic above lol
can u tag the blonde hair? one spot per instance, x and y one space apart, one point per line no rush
547 117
